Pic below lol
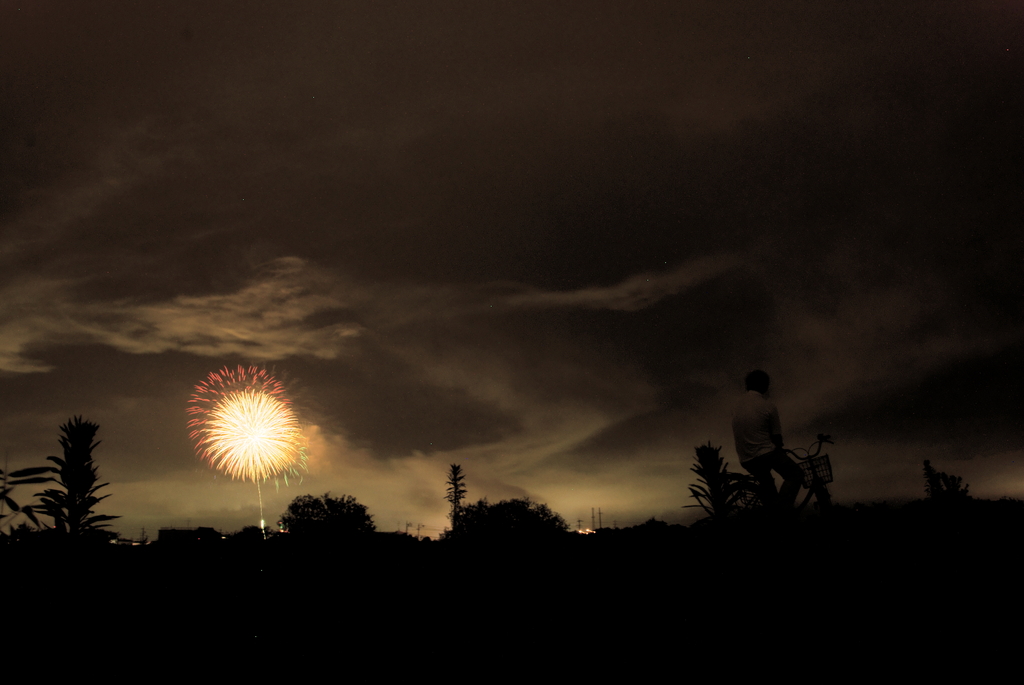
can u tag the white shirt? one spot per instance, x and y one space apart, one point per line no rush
754 422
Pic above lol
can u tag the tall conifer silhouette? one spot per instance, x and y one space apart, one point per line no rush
456 493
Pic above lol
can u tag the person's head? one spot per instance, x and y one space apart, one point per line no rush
758 381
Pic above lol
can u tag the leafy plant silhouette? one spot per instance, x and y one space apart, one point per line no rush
71 507
717 491
20 477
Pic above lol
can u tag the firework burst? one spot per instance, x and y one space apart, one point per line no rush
243 424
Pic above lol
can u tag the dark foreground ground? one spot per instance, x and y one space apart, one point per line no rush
866 583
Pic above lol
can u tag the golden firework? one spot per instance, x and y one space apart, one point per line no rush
244 425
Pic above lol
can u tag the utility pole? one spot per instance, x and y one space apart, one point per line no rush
599 524
592 524
579 524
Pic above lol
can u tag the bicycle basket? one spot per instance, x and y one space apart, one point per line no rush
818 466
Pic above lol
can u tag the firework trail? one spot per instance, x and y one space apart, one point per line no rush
243 424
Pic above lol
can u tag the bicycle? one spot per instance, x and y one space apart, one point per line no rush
817 471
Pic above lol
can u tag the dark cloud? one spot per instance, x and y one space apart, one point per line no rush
965 409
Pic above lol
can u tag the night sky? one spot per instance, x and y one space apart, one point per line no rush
543 240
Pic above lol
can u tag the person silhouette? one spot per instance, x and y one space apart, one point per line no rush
758 433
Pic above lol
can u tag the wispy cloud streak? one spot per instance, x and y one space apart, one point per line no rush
265 320
635 292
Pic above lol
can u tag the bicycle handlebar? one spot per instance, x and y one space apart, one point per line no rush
822 439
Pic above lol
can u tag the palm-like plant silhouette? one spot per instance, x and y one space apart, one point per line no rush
71 507
718 491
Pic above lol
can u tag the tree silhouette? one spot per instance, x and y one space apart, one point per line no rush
718 491
71 506
326 516
942 486
511 518
456 493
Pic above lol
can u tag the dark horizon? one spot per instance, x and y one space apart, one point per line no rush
545 242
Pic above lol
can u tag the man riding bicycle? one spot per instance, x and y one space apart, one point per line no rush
758 434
